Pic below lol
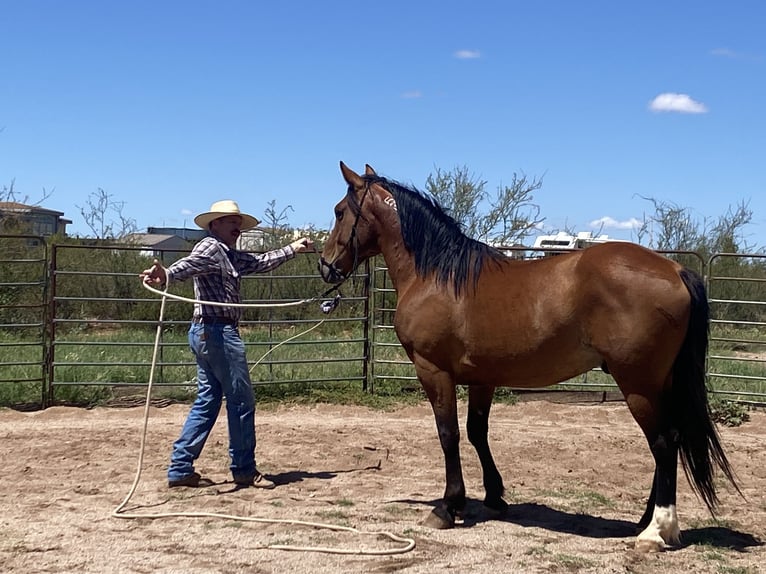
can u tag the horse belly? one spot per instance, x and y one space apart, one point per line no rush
531 368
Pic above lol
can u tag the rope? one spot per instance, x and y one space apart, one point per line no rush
219 304
407 543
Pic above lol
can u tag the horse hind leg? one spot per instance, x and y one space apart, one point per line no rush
660 521
649 511
662 529
477 427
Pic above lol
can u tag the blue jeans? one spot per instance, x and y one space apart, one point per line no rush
221 372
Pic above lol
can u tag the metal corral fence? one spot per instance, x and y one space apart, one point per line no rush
100 309
23 311
737 354
74 315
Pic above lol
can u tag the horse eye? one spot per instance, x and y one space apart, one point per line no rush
338 214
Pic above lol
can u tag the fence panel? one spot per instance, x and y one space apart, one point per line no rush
105 323
23 314
737 354
388 361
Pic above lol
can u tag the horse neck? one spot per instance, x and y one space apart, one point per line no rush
400 262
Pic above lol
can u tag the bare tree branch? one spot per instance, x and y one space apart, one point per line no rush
99 214
506 218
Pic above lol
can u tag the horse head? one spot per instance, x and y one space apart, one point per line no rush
354 237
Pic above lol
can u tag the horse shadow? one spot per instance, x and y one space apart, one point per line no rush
535 515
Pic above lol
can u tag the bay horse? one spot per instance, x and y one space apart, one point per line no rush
467 314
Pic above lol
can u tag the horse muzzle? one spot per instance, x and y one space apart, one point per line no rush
329 272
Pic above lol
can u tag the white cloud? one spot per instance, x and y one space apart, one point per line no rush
681 103
185 211
734 55
467 54
725 52
607 222
413 94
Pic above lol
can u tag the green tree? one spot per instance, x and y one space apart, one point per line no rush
727 233
276 226
675 228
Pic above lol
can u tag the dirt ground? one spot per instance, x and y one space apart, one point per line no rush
577 478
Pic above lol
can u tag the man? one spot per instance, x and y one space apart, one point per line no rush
216 267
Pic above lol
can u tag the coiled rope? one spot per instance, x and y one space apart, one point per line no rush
407 543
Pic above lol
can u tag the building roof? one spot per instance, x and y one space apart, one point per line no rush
22 208
157 240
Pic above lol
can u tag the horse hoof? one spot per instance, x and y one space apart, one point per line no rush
433 520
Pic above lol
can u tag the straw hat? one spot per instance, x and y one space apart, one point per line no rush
222 209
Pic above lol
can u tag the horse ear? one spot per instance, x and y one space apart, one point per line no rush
368 170
351 177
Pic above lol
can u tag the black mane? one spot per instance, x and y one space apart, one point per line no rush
434 238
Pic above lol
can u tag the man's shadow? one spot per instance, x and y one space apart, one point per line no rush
532 514
293 476
208 487
281 479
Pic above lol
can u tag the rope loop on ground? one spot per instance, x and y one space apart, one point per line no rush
407 544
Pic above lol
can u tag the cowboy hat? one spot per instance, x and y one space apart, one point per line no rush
222 209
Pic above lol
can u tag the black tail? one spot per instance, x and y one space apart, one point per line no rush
700 445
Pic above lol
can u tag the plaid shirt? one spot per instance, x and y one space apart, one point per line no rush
217 270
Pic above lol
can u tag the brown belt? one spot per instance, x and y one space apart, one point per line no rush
207 320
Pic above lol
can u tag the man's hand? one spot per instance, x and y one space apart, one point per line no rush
302 244
154 275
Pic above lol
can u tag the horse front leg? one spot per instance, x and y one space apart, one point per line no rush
477 426
440 390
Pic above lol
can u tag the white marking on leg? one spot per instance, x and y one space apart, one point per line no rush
663 530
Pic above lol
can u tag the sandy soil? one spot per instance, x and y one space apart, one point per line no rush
577 478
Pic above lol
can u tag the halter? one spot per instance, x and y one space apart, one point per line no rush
329 306
352 239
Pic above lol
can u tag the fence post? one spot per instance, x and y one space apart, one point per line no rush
47 321
367 384
50 329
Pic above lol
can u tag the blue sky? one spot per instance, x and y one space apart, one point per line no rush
169 106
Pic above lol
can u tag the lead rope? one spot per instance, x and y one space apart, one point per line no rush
118 512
